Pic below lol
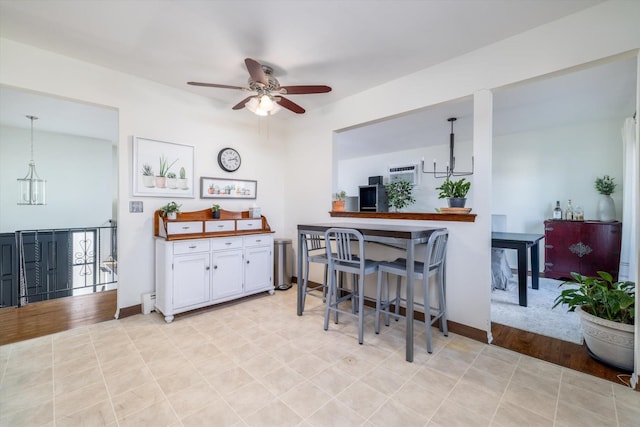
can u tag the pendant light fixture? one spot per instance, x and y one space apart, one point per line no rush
31 189
451 164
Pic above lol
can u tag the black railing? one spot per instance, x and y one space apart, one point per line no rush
38 265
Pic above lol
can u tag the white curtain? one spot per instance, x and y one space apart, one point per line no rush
629 251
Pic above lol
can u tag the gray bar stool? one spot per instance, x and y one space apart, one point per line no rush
433 265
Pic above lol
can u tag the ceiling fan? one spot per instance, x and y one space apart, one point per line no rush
268 91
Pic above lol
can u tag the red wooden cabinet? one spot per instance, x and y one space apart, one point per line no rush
584 247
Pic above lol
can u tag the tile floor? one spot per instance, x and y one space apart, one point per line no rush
255 363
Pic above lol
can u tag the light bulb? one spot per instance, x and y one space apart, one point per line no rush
266 104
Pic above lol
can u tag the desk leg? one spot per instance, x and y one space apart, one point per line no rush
522 275
535 266
410 293
300 274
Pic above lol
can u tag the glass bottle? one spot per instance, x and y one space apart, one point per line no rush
579 214
557 211
569 212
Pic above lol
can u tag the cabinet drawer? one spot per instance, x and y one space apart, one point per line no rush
190 246
214 226
226 243
250 224
184 227
258 240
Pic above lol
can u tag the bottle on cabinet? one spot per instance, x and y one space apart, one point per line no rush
557 211
568 213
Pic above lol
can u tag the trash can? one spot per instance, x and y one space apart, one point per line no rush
282 263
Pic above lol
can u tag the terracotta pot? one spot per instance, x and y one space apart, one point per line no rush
337 206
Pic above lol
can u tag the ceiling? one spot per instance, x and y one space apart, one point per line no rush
350 45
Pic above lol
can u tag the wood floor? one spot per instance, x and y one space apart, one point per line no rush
48 317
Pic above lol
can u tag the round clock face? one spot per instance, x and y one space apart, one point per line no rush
229 159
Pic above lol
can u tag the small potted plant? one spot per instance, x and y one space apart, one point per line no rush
399 194
215 210
161 178
170 210
337 205
147 175
182 181
455 192
606 208
607 311
172 180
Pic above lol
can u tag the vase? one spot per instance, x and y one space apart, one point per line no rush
607 341
606 208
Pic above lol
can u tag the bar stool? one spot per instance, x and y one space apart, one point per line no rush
433 265
313 250
346 259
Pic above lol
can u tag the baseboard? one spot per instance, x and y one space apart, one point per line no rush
455 327
130 311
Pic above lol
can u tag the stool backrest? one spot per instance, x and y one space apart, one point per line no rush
436 252
345 253
313 242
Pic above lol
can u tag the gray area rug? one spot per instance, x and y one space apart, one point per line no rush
537 317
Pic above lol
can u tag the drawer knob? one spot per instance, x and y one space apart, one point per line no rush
258 240
192 247
215 267
220 226
228 243
185 227
208 268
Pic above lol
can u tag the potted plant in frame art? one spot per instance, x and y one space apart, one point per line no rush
147 175
170 210
161 178
182 180
338 201
399 194
455 192
607 311
172 180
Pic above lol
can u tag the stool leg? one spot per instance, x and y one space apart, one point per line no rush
398 289
378 302
427 311
443 304
324 284
361 308
329 300
387 301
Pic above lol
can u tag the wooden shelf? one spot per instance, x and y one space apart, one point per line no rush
421 216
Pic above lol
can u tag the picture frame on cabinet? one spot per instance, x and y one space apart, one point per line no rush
222 188
162 169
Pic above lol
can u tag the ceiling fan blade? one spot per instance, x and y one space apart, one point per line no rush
256 72
299 90
290 105
240 105
217 85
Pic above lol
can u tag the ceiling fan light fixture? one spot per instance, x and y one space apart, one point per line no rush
262 105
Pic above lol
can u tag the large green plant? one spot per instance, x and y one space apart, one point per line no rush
455 189
605 185
399 194
600 296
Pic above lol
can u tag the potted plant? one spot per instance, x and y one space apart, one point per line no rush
182 181
455 192
606 208
399 194
607 311
147 175
337 205
172 180
161 178
170 210
215 210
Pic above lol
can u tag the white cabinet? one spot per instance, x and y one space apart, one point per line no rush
199 272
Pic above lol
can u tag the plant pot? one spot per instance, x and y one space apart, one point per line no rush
606 208
182 183
172 182
457 202
216 214
161 181
148 181
337 205
172 215
609 342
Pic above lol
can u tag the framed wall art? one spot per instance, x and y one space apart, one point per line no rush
162 169
221 188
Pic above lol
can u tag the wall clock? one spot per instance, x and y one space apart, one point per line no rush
229 159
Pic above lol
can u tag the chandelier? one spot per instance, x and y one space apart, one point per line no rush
31 188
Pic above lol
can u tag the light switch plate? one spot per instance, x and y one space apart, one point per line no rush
135 207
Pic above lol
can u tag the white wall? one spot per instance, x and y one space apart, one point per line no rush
154 111
80 190
531 170
553 47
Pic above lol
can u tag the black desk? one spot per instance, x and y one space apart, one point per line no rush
397 235
521 242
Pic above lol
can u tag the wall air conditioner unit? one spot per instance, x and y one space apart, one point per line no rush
405 173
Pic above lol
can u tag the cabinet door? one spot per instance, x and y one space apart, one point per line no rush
604 241
258 269
226 278
560 237
190 280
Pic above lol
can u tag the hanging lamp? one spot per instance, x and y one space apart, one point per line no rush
451 164
31 188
